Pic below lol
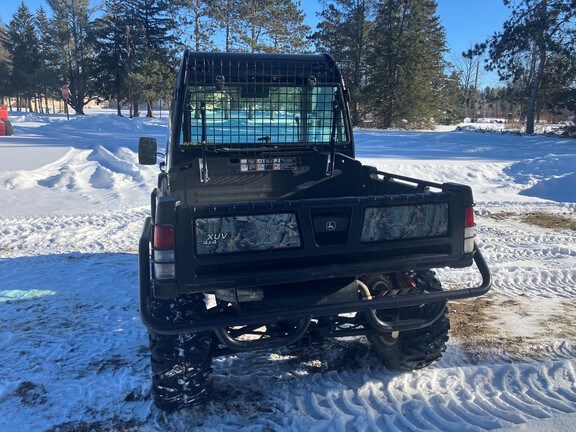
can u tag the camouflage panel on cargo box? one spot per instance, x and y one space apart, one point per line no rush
227 234
404 222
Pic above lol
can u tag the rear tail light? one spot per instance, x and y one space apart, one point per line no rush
469 232
163 237
163 255
164 271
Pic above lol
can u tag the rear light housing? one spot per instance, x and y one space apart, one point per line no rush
163 237
163 252
469 230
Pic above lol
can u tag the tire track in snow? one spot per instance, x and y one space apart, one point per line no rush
107 231
526 261
509 395
258 391
451 396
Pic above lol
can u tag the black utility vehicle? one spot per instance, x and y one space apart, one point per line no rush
265 231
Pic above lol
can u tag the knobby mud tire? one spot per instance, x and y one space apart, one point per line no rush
181 364
414 349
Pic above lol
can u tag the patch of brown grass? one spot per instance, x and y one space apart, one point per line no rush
476 328
562 324
547 220
541 219
472 323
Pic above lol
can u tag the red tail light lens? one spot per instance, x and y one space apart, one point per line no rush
469 230
163 237
469 217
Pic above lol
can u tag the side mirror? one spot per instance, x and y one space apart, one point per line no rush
147 149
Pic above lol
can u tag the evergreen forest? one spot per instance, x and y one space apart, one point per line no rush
393 54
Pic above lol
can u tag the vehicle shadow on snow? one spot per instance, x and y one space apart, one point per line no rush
79 356
80 311
72 330
82 308
276 389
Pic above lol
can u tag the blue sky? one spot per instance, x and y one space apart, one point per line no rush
466 21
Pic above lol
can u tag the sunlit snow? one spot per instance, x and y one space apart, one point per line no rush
74 353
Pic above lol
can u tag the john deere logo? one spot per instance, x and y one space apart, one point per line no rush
330 226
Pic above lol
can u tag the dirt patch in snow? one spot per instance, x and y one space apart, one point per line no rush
472 326
547 220
561 323
541 219
479 327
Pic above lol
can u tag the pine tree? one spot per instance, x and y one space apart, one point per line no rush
152 79
266 26
536 30
559 85
151 55
227 17
452 109
24 49
254 16
73 37
48 79
406 65
111 44
5 63
196 23
344 32
286 30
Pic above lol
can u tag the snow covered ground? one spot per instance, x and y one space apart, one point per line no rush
74 354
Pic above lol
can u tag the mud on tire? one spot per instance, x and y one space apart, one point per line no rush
413 349
181 364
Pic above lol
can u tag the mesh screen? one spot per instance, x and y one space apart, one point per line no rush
254 103
261 115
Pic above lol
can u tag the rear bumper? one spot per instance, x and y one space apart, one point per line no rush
215 322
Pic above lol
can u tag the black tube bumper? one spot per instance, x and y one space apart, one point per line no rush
219 322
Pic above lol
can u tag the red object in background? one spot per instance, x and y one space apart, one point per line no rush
65 92
6 128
